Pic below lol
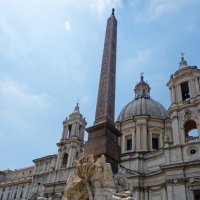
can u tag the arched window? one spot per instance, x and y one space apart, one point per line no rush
76 155
65 158
185 91
191 131
21 194
69 130
15 195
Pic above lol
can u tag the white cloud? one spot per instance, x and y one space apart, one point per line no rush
142 58
12 40
80 78
101 5
85 99
19 106
67 26
157 8
14 94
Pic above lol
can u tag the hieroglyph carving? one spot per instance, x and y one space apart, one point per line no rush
106 93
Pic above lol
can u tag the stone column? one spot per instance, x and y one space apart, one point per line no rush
179 191
81 134
138 142
133 142
26 190
145 141
76 132
12 192
150 141
164 193
58 159
175 129
170 93
179 93
122 143
142 193
73 129
66 132
169 192
35 169
63 133
182 135
197 86
190 88
176 94
137 194
71 156
173 95
18 192
146 193
167 155
194 87
161 142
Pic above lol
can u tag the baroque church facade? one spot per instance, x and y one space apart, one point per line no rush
156 150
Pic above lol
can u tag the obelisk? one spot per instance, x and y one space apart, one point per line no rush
103 136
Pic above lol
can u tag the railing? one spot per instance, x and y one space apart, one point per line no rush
191 139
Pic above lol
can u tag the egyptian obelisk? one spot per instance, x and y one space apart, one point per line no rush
103 136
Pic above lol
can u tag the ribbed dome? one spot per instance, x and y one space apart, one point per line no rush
142 106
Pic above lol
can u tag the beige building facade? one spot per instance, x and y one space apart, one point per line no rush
160 149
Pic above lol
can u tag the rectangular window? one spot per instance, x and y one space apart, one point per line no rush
129 143
154 143
196 194
185 91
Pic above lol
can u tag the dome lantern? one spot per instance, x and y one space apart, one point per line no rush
142 89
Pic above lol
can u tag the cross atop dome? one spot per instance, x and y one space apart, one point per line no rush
76 109
142 76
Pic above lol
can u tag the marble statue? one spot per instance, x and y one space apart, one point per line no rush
121 186
93 181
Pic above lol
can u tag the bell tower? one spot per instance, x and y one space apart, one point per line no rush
184 87
72 140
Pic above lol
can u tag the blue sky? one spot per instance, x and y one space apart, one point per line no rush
50 56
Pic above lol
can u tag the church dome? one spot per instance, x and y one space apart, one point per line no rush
142 104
